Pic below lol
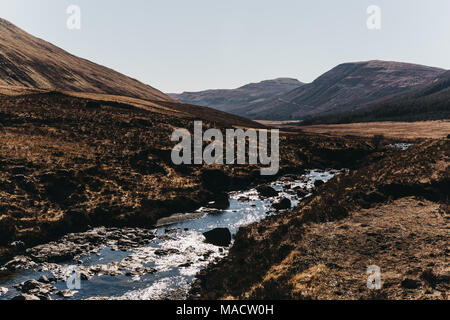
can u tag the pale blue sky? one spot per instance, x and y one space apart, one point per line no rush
181 45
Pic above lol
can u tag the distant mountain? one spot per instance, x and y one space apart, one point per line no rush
347 87
430 101
244 97
27 61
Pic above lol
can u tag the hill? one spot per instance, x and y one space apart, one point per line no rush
244 97
428 102
27 61
346 87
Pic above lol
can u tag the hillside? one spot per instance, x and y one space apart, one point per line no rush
70 161
428 102
392 213
243 97
27 61
346 87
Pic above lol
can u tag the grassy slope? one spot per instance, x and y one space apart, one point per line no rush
270 259
31 62
429 102
68 162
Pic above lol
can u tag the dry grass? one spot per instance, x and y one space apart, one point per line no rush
392 212
32 62
108 158
396 130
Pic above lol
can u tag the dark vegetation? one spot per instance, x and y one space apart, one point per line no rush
430 102
267 256
70 163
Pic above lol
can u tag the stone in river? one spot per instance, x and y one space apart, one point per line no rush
221 202
267 191
319 183
220 237
283 204
34 287
3 291
66 293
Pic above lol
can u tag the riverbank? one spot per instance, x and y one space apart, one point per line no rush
392 213
69 164
141 264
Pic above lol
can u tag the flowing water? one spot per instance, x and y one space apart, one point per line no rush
163 263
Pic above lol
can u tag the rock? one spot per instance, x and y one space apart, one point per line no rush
18 245
84 275
3 291
221 202
25 297
409 283
20 263
36 288
267 191
66 293
44 279
219 237
170 231
283 204
166 252
185 265
215 180
318 183
244 199
302 193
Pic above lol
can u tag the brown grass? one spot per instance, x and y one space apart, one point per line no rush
396 130
34 63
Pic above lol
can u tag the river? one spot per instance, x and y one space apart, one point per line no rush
139 264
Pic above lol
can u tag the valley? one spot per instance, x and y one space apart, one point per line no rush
88 183
388 129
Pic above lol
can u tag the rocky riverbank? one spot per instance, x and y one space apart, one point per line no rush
68 164
134 263
392 213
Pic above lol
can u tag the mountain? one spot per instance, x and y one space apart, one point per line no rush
244 97
27 61
430 101
82 146
346 87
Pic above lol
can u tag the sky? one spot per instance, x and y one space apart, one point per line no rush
180 45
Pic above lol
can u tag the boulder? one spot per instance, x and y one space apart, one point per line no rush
3 291
215 180
220 237
283 204
66 293
221 202
267 191
302 193
34 287
318 183
34 290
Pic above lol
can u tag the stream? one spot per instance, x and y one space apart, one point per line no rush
141 264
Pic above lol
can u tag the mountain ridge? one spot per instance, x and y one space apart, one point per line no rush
430 101
343 88
244 96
